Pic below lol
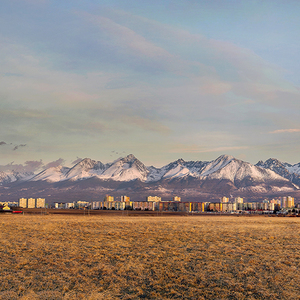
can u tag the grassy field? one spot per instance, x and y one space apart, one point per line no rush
115 257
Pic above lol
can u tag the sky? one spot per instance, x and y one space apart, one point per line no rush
162 80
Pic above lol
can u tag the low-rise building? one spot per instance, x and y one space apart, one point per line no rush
59 205
69 205
10 203
82 204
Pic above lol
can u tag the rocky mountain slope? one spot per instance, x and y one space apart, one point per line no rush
288 171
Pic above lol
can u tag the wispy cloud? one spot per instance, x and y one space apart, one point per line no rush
18 146
28 166
76 161
291 130
55 163
86 79
198 149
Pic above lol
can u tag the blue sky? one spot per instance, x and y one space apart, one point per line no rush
160 79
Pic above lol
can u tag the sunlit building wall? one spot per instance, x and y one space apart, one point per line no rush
40 203
31 203
23 202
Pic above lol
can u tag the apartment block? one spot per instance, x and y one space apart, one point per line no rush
23 202
40 203
108 198
224 199
31 203
69 205
287 202
96 205
125 198
228 207
82 204
238 200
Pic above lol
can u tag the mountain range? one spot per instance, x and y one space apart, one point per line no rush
192 180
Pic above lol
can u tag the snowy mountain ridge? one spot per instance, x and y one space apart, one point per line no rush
130 168
193 179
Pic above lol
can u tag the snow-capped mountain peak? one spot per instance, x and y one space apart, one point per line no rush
286 170
126 169
217 164
225 171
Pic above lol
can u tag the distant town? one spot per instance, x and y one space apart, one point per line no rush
279 205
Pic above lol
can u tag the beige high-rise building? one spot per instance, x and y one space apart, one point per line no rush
31 203
125 198
290 203
23 202
40 203
108 198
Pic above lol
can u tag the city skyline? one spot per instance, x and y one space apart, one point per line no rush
179 79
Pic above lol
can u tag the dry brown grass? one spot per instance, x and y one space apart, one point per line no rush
77 257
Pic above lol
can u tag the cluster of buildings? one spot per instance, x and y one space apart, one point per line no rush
74 205
225 205
151 203
238 204
9 203
155 203
32 203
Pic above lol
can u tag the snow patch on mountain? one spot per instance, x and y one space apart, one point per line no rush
216 165
293 168
53 174
288 171
234 169
12 176
85 169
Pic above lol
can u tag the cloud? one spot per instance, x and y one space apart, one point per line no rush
108 77
32 2
28 166
76 161
199 149
138 51
33 165
55 163
18 146
292 130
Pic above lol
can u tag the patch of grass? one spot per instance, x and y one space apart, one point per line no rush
77 257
